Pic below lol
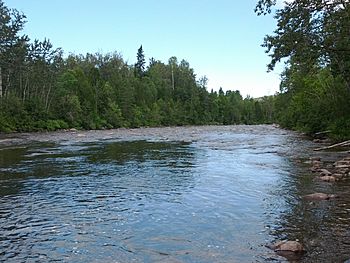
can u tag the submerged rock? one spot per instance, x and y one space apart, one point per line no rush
327 178
319 196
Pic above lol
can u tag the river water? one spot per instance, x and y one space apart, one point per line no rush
185 194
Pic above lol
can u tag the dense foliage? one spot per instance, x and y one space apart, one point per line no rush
42 90
313 39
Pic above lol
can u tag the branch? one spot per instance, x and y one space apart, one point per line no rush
345 143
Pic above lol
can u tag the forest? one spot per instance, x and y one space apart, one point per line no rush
41 89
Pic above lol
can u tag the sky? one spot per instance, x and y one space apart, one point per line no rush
220 39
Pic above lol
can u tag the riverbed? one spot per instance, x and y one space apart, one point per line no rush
174 194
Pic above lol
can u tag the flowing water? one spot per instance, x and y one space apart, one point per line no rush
186 194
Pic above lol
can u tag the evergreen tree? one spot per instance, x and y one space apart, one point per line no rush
140 64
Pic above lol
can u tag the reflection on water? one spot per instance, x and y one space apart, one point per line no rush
195 194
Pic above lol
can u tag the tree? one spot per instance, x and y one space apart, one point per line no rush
11 43
140 64
313 37
310 32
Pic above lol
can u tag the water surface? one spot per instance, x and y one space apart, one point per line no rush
190 194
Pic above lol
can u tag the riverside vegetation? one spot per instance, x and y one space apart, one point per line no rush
40 89
312 38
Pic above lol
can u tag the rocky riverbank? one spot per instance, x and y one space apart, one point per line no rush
329 165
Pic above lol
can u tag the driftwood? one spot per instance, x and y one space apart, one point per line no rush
345 143
323 132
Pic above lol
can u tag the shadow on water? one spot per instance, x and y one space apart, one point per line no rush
139 151
44 160
71 199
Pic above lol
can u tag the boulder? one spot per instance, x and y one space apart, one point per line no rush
291 246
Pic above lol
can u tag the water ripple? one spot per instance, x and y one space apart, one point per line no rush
193 194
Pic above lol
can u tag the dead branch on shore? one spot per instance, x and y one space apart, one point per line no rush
323 132
341 144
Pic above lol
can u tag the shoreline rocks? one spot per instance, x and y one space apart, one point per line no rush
325 171
334 172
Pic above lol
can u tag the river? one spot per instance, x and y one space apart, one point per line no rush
184 194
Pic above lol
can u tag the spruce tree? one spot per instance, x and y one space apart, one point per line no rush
140 64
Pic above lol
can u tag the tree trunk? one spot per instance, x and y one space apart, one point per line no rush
47 98
0 83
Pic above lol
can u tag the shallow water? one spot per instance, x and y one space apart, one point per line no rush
190 194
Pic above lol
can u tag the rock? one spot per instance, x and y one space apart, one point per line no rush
315 162
287 246
342 171
319 196
338 175
327 178
342 162
342 166
316 166
325 172
315 159
314 169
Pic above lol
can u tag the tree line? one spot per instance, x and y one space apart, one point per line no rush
40 89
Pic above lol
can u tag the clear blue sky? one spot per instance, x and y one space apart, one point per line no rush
220 39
